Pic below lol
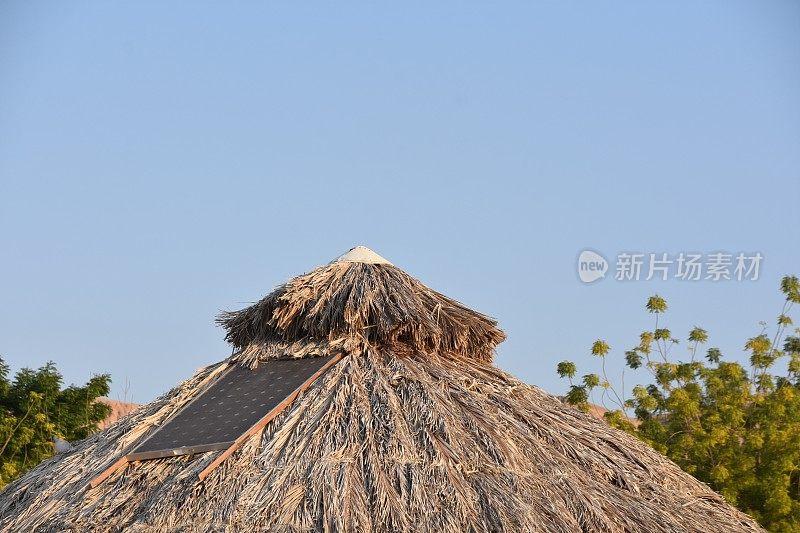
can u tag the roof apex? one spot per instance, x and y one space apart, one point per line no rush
361 254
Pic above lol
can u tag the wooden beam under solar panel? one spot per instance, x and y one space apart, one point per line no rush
234 407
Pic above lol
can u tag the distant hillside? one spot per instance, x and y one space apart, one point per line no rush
118 410
598 411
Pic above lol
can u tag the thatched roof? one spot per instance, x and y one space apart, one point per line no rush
359 300
413 430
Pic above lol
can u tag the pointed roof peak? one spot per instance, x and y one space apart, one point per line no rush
361 254
359 299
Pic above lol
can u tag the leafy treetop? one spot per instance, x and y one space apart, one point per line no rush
735 428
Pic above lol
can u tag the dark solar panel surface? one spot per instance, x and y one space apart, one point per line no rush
230 406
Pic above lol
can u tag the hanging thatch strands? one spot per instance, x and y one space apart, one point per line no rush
413 430
347 304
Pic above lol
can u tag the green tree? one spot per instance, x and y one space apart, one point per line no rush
736 428
34 410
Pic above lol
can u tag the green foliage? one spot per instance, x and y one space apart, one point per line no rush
567 369
591 381
600 348
662 334
645 342
735 428
656 304
34 410
698 335
713 355
790 286
578 396
619 420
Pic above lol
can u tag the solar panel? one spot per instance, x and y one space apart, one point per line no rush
231 406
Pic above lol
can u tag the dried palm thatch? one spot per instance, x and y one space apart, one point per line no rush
396 437
358 303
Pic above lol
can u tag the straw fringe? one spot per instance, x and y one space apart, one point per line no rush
344 306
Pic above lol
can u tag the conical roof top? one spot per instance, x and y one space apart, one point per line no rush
361 254
413 429
359 300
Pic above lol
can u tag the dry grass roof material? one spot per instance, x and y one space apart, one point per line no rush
362 304
413 430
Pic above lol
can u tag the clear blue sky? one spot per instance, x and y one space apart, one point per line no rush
163 161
